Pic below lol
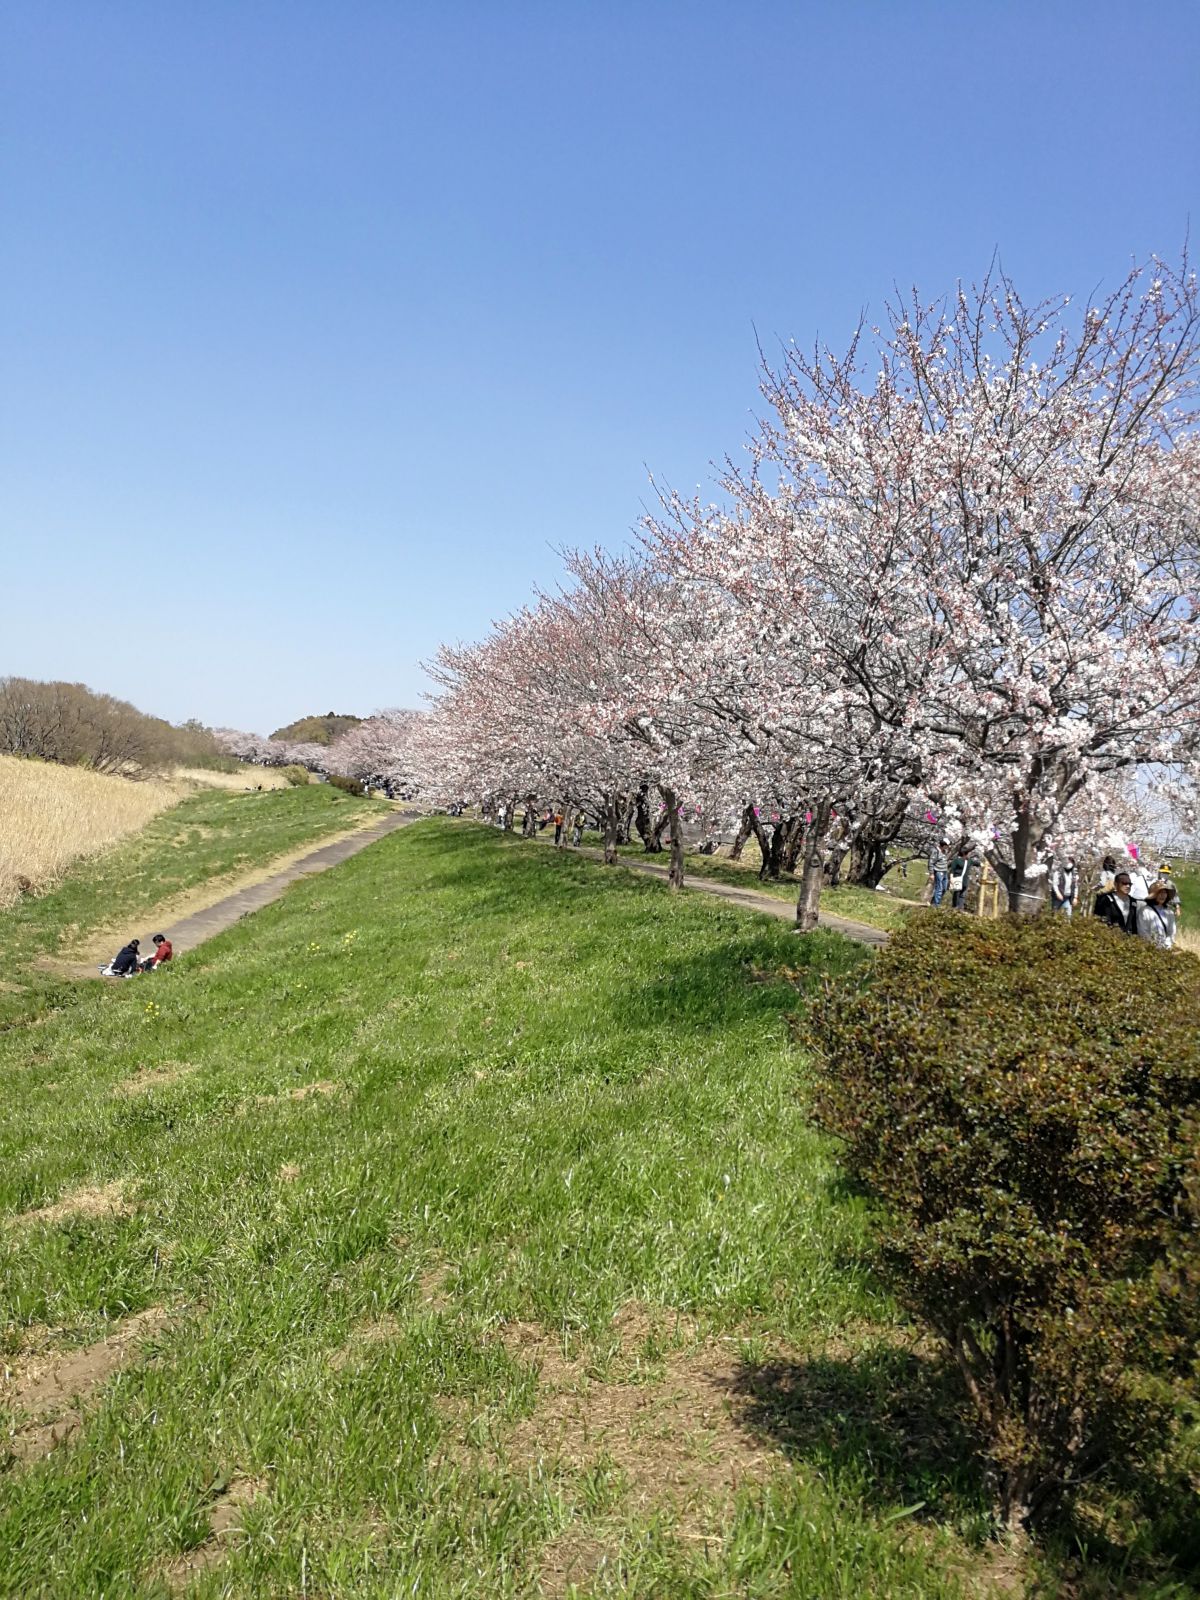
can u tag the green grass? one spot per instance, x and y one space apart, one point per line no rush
557 1091
209 837
859 905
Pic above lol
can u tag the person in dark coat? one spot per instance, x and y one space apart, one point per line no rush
125 961
1117 908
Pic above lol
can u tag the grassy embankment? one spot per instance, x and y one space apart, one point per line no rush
52 816
186 856
477 1239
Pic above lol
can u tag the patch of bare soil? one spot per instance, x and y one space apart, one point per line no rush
667 1422
49 1388
224 1524
574 1557
107 1200
147 1078
302 1091
431 1288
383 1330
288 1172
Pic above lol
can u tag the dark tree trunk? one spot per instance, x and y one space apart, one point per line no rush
809 900
774 856
506 814
529 827
610 819
793 843
626 808
745 829
675 823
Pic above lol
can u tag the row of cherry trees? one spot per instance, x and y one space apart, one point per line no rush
954 586
385 751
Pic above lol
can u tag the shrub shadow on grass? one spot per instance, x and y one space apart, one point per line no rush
889 1425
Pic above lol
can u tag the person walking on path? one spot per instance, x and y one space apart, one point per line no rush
1156 920
1139 884
1104 883
1064 887
961 865
1118 909
939 869
577 830
558 827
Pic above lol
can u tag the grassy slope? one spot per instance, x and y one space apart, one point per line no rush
208 836
570 1090
565 1090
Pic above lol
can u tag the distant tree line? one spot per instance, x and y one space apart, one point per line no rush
317 730
73 725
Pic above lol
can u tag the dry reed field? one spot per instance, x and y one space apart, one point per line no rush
52 816
250 778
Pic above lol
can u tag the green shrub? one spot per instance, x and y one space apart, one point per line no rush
296 775
1017 1094
339 780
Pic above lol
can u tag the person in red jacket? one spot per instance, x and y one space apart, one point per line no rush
162 953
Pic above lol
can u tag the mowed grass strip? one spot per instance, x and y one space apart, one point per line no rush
558 1148
210 838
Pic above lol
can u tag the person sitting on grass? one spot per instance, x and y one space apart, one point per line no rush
125 963
162 953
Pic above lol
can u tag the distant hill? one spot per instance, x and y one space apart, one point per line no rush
317 730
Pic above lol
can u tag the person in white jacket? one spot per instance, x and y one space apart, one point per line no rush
1156 916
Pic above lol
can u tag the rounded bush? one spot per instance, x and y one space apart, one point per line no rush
1018 1094
296 775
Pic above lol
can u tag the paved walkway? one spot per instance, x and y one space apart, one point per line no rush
214 919
748 899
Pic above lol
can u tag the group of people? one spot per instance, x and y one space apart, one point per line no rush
1127 898
128 959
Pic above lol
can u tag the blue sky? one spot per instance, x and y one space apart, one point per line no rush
323 324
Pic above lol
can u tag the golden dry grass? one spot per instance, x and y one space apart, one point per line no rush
51 816
247 778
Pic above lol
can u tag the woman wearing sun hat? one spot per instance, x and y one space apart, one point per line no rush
1155 918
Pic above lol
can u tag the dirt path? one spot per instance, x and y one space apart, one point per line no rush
210 920
748 899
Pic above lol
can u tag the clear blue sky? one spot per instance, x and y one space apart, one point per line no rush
324 323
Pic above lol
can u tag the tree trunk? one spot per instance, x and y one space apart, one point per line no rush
675 822
745 829
529 826
609 816
774 856
625 811
809 899
792 843
506 814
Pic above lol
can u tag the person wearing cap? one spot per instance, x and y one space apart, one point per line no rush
1117 908
1155 918
1064 886
1168 877
939 869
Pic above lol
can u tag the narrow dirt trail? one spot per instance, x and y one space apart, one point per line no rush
207 922
748 899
